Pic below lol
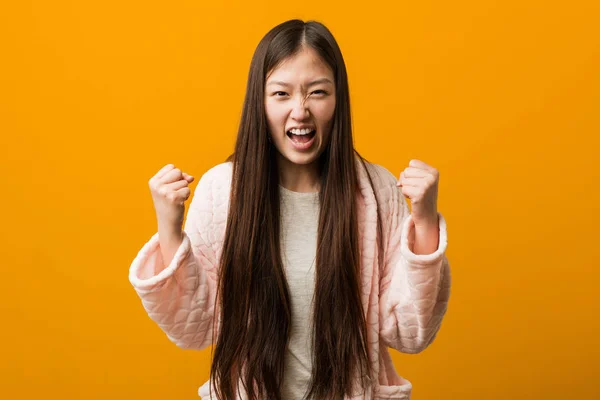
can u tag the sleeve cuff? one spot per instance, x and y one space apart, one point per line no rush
423 259
149 256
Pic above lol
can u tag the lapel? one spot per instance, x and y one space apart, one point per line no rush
369 277
367 226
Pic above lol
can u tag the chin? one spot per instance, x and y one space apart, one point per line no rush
301 159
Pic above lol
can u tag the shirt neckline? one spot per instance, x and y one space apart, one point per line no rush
299 194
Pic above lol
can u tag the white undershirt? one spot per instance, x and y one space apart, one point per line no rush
298 237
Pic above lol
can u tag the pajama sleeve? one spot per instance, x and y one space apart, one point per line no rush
180 297
414 289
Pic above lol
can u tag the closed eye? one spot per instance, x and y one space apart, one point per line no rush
277 94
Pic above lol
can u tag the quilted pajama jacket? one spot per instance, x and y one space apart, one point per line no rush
404 301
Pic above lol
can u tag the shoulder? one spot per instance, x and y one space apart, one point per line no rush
389 196
206 219
220 172
217 178
384 182
213 188
384 176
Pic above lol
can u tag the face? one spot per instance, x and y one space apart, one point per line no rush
300 93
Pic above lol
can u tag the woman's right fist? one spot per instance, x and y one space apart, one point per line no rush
169 188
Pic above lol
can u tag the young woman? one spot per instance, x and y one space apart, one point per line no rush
299 260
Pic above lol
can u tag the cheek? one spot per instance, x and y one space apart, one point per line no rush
275 116
325 112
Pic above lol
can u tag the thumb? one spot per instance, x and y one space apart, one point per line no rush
188 177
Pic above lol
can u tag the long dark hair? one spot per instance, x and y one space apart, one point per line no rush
252 293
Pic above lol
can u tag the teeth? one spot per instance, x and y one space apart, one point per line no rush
301 131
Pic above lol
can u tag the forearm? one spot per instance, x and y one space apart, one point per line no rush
427 237
170 240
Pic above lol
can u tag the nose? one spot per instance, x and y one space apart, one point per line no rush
299 109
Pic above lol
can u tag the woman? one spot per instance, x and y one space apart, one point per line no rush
306 254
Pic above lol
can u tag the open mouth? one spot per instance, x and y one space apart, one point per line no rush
300 139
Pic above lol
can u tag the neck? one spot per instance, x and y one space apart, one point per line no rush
298 177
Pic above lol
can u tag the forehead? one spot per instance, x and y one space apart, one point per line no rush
304 66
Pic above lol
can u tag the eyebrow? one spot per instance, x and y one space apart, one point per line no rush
315 82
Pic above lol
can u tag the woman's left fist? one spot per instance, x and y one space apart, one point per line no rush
419 183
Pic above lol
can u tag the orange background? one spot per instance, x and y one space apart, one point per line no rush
502 97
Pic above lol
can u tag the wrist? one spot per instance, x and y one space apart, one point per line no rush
171 232
426 222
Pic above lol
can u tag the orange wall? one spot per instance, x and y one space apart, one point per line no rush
502 97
